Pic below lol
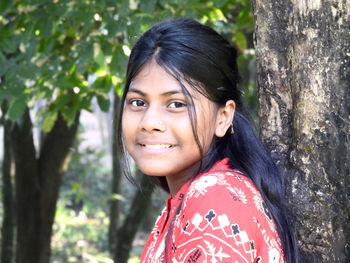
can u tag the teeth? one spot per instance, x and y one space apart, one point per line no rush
157 146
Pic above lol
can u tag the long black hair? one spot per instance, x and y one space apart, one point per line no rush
198 55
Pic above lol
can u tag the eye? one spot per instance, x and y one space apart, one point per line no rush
137 103
176 105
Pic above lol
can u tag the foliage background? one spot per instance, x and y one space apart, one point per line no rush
67 56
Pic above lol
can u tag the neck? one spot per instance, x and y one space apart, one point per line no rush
176 181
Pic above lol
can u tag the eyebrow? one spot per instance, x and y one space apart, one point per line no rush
168 93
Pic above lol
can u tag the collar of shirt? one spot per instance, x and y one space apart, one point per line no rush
173 202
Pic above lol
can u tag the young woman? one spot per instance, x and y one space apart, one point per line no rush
183 123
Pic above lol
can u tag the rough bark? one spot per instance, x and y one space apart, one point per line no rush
127 231
116 179
303 63
8 223
37 185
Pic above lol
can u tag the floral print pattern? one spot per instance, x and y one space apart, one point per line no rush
219 216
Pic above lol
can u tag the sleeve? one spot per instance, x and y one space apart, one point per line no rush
223 223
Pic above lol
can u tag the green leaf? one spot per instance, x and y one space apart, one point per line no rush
63 100
103 102
216 14
87 25
4 5
69 114
14 89
119 62
148 6
27 71
245 18
17 107
100 59
7 45
219 3
76 187
117 197
49 121
241 41
45 27
102 85
85 53
124 8
106 47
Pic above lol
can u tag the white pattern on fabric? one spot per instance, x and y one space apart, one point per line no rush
222 218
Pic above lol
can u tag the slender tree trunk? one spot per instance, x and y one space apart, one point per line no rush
27 192
116 179
303 60
53 163
37 185
8 223
128 230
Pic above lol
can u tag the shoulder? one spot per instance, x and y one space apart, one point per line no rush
223 191
225 209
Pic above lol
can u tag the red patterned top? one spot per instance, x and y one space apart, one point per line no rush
219 216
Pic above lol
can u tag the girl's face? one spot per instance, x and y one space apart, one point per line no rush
156 127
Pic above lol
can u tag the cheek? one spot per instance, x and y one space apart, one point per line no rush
128 127
124 126
206 125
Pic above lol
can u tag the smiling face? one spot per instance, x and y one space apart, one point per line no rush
156 126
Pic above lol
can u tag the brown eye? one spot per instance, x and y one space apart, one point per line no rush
176 105
137 103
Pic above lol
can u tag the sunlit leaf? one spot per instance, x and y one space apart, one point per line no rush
118 197
216 14
241 41
49 121
134 260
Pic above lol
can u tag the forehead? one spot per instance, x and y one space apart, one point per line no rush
156 79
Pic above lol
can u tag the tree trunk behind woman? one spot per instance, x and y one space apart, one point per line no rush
303 62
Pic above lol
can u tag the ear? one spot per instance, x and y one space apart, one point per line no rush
224 118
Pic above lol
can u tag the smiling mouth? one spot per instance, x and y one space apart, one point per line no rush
157 146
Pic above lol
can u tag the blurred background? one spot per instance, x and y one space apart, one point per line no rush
62 68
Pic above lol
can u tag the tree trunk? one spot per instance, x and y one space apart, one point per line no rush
128 230
37 185
303 63
8 223
116 179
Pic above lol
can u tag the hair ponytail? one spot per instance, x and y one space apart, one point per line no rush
247 154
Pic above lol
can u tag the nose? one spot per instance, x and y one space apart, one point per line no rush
152 120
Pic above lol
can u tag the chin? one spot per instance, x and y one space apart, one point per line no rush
152 171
